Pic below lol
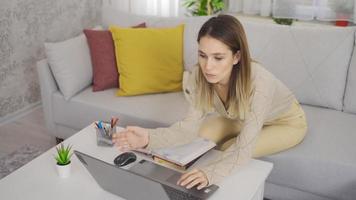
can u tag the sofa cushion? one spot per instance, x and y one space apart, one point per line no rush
311 60
350 93
70 64
102 53
150 111
150 60
327 156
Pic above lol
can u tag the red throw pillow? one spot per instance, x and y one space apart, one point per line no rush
102 52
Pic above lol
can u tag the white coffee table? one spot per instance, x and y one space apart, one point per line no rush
39 180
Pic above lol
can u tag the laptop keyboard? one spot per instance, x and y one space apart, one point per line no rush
175 194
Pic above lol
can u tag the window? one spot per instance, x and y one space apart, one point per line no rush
165 8
324 10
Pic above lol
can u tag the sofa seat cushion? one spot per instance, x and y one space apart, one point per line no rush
150 111
325 162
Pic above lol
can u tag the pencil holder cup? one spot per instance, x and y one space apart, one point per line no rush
104 137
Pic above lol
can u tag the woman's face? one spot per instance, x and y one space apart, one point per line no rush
216 60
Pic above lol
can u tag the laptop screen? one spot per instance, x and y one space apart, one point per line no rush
121 182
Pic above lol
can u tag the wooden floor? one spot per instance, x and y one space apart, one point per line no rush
29 129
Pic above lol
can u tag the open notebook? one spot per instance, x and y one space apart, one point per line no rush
182 155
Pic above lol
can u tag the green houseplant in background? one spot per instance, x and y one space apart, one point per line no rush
204 7
63 157
283 21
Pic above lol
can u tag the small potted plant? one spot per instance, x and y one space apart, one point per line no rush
63 160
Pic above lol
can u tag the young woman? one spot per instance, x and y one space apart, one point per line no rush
234 101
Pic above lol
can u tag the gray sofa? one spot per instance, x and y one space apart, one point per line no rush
317 62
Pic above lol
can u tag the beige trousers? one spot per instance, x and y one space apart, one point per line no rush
280 134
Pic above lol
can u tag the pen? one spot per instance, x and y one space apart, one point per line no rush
105 130
97 125
100 124
114 121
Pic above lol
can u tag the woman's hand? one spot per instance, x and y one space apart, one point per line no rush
193 178
133 137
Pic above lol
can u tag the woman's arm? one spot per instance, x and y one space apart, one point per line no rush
179 133
183 131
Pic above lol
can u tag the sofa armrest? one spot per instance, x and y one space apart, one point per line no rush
48 86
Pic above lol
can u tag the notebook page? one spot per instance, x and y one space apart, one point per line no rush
183 154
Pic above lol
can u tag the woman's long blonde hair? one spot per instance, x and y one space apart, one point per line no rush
228 30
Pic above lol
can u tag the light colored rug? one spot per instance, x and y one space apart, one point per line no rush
18 158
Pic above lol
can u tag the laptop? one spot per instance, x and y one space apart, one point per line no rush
144 180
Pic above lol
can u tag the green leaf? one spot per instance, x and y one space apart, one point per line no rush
200 7
63 154
201 12
190 4
283 21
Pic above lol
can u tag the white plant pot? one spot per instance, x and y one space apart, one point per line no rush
64 170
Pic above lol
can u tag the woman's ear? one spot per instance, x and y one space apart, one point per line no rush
237 57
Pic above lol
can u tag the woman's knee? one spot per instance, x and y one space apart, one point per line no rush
274 140
218 129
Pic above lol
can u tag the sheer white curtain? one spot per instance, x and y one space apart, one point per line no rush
252 7
165 8
324 10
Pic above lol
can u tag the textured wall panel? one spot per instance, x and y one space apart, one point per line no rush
24 26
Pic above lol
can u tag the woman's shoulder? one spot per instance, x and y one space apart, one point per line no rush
258 72
257 68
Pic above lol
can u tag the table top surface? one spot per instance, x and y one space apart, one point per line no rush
39 179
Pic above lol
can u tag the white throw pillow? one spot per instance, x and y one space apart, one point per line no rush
71 65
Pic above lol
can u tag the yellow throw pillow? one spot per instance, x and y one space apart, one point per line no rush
150 60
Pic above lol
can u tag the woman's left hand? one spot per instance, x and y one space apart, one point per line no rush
193 178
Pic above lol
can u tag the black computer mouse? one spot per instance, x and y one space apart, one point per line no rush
125 159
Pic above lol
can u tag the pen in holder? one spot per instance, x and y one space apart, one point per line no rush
104 132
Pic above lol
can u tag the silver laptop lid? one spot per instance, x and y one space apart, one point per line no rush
145 180
122 182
